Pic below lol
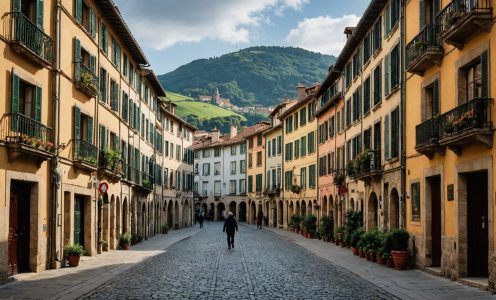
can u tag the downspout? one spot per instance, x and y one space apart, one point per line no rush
52 237
402 119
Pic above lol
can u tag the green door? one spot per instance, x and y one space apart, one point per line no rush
79 221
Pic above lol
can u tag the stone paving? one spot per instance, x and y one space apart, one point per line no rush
261 266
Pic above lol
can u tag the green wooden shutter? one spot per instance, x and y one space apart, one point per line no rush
16 4
92 23
101 137
39 13
79 10
77 122
422 13
14 105
37 105
93 64
435 9
116 97
90 130
485 74
386 137
77 59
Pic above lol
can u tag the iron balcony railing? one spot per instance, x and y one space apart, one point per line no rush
85 151
458 9
110 160
26 33
427 132
475 113
427 37
17 128
86 77
146 181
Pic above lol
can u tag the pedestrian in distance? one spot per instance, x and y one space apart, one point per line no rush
230 227
259 219
200 220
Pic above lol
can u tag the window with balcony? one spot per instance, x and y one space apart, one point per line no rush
84 149
85 70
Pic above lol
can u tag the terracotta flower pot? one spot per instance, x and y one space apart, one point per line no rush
125 246
73 260
373 257
400 259
361 253
354 250
390 262
379 259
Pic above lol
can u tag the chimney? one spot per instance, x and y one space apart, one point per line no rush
215 135
233 132
348 31
302 92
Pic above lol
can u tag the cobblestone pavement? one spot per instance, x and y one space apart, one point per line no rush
263 265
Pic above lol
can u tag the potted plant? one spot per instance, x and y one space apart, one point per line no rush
295 188
340 235
356 236
73 254
310 225
295 221
420 45
326 227
125 240
399 250
136 238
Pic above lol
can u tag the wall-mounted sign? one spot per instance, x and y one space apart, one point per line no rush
451 192
103 187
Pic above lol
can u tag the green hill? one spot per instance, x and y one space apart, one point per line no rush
252 76
205 116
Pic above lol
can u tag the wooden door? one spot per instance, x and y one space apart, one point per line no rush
477 225
79 221
12 239
435 184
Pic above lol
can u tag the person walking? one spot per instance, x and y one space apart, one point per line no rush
200 220
230 225
259 219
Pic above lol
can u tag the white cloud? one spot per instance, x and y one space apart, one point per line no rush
322 34
163 23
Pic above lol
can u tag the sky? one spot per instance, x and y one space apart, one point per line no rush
175 32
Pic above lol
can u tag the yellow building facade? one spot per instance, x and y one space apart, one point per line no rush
449 167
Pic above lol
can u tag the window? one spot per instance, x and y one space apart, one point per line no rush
259 140
217 192
205 153
377 36
83 126
279 145
392 16
232 187
431 104
258 182
311 176
377 85
296 120
125 66
242 166
26 100
289 151
366 95
233 168
297 149
242 186
288 180
178 152
206 169
357 65
250 184
205 188
367 135
114 96
303 119
279 173
348 112
367 48
347 74
289 124
250 160
269 148
303 177
250 143
242 148
311 108
338 122
395 133
259 158
217 152
303 143
217 168
86 17
103 38
332 131
103 85
125 107
274 146
233 150
357 100
392 74
311 142
116 54
473 81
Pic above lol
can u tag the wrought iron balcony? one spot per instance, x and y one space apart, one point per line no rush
110 164
462 19
424 51
427 137
23 135
85 154
368 165
86 80
146 181
30 40
469 123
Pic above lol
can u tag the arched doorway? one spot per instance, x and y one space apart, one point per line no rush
170 214
118 216
143 221
253 213
303 208
394 215
186 214
291 209
324 206
232 208
204 209
280 211
298 211
372 212
177 217
242 211
352 204
211 212
134 227
220 211
310 208
267 213
113 238
125 214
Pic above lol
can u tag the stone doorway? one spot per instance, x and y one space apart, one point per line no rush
434 219
242 211
372 212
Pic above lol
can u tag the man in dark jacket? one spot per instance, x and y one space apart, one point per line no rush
229 226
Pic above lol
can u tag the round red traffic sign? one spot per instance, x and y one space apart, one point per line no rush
103 187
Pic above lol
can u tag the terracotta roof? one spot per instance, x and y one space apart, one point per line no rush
272 129
296 106
224 140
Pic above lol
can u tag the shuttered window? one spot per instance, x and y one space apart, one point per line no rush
103 85
311 176
366 95
377 85
303 143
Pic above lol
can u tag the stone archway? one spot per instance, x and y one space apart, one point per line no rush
177 217
394 212
143 220
280 212
118 217
204 209
186 214
303 208
324 206
291 209
352 204
232 208
170 214
125 216
242 211
221 208
253 213
372 212
211 212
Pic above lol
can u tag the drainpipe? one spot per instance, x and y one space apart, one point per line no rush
402 119
54 260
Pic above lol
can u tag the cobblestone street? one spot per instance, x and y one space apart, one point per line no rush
263 265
